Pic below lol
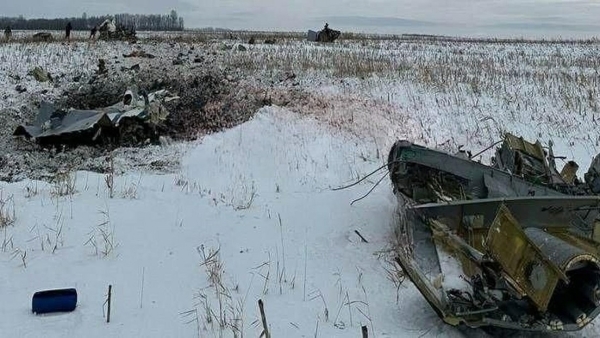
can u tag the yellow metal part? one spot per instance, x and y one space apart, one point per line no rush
569 172
473 231
525 266
454 244
596 232
518 143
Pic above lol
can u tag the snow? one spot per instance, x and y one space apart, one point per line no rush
292 163
438 93
231 189
311 270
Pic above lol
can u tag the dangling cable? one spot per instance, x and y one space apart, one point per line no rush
362 179
374 186
486 149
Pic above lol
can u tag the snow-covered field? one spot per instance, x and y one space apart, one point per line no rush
250 213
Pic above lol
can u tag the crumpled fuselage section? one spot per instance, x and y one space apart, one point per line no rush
513 245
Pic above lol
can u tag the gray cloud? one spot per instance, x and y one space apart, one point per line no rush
375 21
547 26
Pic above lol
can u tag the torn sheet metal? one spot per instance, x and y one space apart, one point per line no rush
54 126
512 245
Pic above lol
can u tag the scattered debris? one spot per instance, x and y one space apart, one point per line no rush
181 58
210 101
43 36
40 75
20 88
102 67
133 68
133 121
525 237
224 46
111 31
139 54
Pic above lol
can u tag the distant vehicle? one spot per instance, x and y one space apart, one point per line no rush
513 245
324 35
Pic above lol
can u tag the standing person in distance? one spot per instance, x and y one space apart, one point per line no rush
7 33
68 31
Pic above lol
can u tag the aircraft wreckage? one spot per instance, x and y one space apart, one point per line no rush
514 245
132 121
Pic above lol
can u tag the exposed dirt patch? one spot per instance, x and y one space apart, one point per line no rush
214 94
208 103
210 99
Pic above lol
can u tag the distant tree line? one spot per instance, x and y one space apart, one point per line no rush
141 22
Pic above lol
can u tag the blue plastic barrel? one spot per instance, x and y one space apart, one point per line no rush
59 300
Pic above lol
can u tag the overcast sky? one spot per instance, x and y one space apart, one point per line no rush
567 18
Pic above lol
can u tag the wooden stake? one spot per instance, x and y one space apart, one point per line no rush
264 320
361 237
108 311
365 332
142 291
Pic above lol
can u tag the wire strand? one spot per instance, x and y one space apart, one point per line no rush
364 178
486 149
373 188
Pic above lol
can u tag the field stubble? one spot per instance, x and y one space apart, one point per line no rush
441 92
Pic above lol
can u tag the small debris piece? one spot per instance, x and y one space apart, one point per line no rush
59 300
43 36
40 75
361 236
111 31
139 54
102 67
